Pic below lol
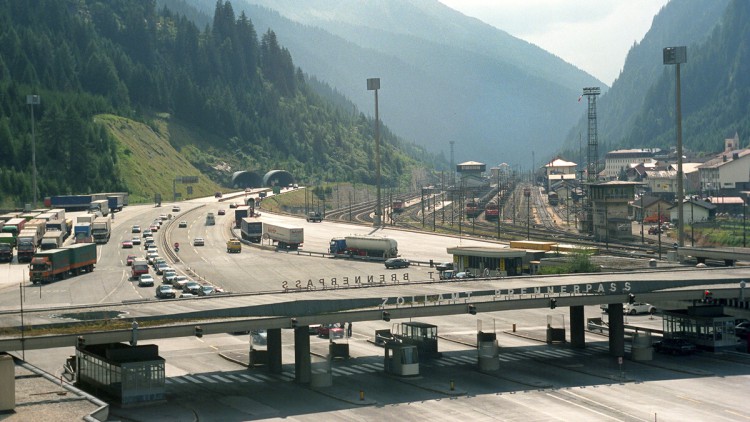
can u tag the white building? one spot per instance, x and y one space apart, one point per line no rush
620 160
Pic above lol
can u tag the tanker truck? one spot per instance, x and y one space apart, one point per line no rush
364 246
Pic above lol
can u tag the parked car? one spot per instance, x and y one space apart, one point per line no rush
198 241
464 274
445 266
675 346
182 224
146 280
396 263
186 295
742 329
447 275
638 308
165 291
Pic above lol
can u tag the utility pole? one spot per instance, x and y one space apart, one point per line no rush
675 56
373 84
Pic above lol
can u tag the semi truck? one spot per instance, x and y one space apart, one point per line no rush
73 202
88 218
285 236
364 246
101 206
47 266
14 226
29 235
251 230
57 225
101 229
8 216
7 243
242 212
82 233
39 226
25 249
115 202
52 240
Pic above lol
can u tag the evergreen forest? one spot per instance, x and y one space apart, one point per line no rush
238 89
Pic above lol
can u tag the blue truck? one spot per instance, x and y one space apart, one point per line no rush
116 202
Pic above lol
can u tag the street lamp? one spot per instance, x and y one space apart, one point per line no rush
33 100
675 56
373 84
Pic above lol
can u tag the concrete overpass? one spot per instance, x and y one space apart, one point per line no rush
367 301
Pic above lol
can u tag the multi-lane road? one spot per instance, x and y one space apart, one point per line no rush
537 381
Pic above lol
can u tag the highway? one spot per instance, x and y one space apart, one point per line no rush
207 381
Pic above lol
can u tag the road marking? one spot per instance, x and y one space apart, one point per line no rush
206 378
581 406
264 377
250 377
737 414
236 378
189 378
339 371
364 368
220 378
178 379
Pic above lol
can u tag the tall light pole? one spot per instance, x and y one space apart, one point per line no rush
373 84
675 56
33 100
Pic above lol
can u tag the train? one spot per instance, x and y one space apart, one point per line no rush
398 205
473 209
553 199
491 211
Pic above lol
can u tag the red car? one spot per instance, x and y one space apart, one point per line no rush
334 330
127 244
129 260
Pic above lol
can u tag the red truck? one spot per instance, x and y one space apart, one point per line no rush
140 266
49 265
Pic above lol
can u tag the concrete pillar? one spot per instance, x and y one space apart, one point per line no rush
7 383
577 327
273 341
302 366
616 330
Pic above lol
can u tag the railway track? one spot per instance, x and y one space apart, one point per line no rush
534 220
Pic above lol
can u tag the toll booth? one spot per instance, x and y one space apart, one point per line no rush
401 359
422 335
488 352
129 374
487 261
705 326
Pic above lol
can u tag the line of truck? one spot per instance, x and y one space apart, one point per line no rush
101 202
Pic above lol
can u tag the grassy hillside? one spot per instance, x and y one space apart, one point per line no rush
149 163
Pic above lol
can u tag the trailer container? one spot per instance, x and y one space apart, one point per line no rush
101 206
53 239
82 233
240 213
82 258
101 229
285 236
14 226
115 202
251 230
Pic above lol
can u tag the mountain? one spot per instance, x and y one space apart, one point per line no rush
235 90
444 76
638 110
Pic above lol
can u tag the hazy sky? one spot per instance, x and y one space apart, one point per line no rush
593 35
